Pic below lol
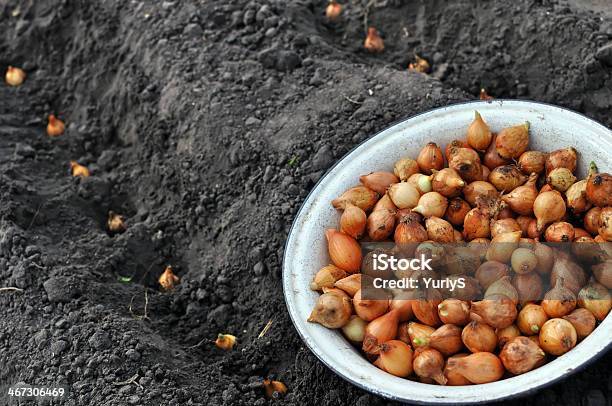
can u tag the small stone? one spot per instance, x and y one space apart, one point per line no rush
251 121
100 340
248 17
132 354
24 150
259 269
58 347
288 60
61 289
322 159
192 30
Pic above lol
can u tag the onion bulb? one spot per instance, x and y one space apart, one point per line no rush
385 202
506 334
409 231
439 230
502 246
478 134
447 182
576 197
332 310
354 330
522 198
583 321
476 224
523 260
531 318
558 336
333 10
592 220
351 284
55 126
478 189
404 195
571 273
605 223
497 311
326 277
546 258
521 355
380 330
430 157
506 225
395 357
405 168
344 250
561 158
548 207
559 231
14 76
595 298
529 286
225 341
425 307
369 309
603 273
419 334
115 223
380 224
359 196
456 211
479 337
373 42
353 221
403 303
431 204
379 181
491 158
506 178
481 367
455 379
429 363
452 147
560 179
532 162
467 164
599 189
559 301
78 170
446 339
503 286
490 272
511 142
454 311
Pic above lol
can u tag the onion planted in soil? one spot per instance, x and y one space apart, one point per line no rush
333 10
373 42
14 76
55 126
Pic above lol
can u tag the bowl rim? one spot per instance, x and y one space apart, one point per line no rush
566 369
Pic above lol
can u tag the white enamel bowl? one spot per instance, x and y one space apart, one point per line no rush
551 128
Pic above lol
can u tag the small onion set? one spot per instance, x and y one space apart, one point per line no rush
528 239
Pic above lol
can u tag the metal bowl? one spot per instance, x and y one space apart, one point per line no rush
552 127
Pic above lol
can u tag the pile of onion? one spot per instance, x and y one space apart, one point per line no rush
486 210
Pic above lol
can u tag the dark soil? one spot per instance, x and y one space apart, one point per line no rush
206 123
